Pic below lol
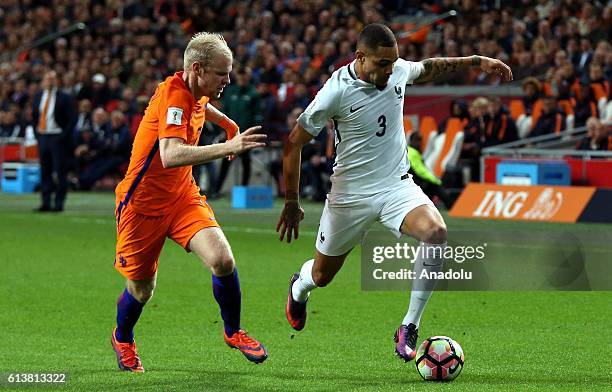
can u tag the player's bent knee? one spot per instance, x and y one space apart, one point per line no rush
222 265
141 290
144 296
436 233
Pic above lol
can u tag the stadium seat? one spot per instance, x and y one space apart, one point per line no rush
434 152
408 128
516 108
429 144
567 106
452 157
525 123
450 147
599 91
600 94
427 126
569 122
601 104
606 114
535 112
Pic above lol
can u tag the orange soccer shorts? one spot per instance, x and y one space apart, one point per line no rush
140 238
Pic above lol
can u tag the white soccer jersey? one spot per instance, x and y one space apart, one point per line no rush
370 145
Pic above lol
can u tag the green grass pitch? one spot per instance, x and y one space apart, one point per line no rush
58 290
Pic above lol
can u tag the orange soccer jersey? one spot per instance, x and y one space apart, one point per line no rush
154 202
172 112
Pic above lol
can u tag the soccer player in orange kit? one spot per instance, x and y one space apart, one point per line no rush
159 198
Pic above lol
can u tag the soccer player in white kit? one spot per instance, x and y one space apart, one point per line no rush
365 100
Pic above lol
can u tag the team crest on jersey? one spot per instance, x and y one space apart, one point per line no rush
174 116
398 91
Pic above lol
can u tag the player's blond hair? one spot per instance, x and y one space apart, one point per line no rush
203 47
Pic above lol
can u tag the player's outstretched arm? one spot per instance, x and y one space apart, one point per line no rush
292 213
215 116
435 68
174 152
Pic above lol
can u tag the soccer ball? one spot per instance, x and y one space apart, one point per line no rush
439 358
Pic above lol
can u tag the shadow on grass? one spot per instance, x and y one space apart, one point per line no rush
224 380
265 379
543 380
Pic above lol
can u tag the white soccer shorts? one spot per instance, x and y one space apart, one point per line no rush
347 218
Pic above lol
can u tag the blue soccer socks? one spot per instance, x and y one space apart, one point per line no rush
226 290
128 312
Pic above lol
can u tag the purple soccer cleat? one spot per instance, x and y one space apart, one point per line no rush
406 338
295 311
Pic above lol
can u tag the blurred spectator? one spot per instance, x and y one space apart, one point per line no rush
240 102
114 89
474 136
552 120
140 107
585 55
540 62
83 123
20 93
459 110
269 112
585 106
9 126
111 153
276 166
128 47
52 115
96 92
209 135
596 138
600 87
523 68
500 127
533 91
270 74
89 141
317 162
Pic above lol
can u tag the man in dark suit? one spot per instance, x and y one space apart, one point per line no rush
552 119
53 119
586 55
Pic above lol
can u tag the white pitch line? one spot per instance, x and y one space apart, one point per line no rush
108 222
263 231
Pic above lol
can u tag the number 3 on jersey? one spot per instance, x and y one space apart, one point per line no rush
382 123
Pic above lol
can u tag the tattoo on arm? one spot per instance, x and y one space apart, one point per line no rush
442 66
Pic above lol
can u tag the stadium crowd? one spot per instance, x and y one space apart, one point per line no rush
284 51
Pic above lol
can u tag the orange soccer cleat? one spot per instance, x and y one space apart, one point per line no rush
251 348
127 357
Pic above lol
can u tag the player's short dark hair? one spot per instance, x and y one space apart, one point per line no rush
374 35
